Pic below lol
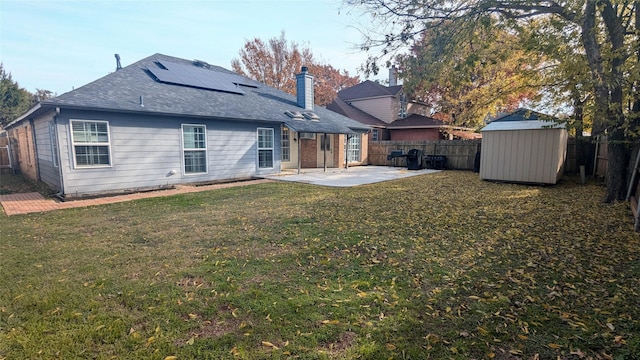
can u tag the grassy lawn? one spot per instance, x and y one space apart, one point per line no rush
431 267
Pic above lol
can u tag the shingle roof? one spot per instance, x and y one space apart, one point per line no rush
524 119
523 114
122 90
368 89
417 121
341 107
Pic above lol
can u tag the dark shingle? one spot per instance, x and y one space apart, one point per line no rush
121 91
368 89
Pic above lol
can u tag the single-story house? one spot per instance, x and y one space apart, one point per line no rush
163 121
523 147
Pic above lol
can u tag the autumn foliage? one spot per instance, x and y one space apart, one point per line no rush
276 62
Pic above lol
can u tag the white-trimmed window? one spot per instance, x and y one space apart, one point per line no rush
91 146
374 135
286 144
353 148
194 148
265 148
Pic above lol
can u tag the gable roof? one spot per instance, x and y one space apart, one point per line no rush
524 119
368 89
135 89
341 107
523 114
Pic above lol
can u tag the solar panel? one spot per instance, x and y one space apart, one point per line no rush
241 80
193 76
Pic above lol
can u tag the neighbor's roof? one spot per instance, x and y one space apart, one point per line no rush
368 89
122 90
524 119
341 107
417 121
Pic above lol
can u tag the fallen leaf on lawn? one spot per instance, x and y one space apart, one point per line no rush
611 327
330 322
171 358
619 340
390 346
269 345
554 346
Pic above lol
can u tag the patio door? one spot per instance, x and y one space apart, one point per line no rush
325 144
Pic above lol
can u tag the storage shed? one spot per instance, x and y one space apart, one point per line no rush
523 147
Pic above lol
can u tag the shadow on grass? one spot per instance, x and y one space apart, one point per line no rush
19 184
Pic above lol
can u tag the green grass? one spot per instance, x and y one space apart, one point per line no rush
435 266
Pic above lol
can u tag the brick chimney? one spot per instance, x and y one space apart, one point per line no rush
304 89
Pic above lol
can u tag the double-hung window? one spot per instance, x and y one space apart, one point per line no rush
194 147
265 148
91 147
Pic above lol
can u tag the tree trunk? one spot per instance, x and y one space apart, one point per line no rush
616 172
618 149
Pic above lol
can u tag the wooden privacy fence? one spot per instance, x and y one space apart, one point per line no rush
5 155
460 154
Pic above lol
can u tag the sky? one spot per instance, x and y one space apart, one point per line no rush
59 45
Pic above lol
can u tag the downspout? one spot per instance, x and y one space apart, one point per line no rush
346 152
55 124
35 148
324 150
299 153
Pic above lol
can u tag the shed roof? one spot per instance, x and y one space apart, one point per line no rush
524 119
135 89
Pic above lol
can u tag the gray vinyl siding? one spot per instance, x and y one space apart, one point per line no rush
48 173
146 153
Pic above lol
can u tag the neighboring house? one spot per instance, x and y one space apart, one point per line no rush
164 121
387 110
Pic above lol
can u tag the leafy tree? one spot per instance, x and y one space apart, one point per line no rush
488 71
608 37
14 100
276 62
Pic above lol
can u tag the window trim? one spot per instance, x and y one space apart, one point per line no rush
375 135
185 149
74 144
272 148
